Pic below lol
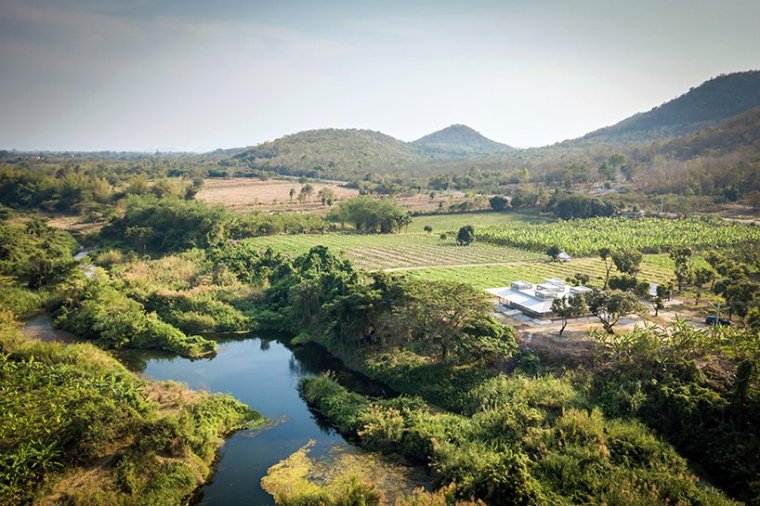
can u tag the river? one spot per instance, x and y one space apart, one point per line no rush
263 374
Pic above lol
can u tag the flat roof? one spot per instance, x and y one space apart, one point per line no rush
523 295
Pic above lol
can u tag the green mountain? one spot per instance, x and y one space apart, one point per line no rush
737 135
332 152
713 101
458 141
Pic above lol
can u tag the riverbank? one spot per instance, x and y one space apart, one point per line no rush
78 427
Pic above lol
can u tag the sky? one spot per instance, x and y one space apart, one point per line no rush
190 75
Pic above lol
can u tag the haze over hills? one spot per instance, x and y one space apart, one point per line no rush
341 152
715 100
458 140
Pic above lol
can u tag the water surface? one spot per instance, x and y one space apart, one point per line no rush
263 374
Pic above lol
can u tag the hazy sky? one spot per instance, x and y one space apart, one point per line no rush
198 75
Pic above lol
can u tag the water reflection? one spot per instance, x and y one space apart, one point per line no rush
263 373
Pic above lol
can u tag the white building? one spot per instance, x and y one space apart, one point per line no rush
535 300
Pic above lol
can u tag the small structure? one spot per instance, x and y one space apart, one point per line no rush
535 300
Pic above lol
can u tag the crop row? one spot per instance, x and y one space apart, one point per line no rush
397 250
649 235
654 269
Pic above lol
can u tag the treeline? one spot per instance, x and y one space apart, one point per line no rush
75 189
150 224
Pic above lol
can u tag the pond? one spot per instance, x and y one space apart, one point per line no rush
264 374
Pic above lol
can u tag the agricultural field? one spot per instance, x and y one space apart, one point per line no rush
246 194
452 222
389 251
654 269
649 235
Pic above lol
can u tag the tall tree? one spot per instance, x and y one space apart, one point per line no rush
702 276
610 306
683 257
606 255
628 261
568 307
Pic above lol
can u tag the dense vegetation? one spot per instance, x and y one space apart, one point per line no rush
77 427
714 100
649 235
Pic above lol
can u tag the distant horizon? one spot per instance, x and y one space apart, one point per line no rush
194 77
170 151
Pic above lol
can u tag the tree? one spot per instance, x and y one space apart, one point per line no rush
579 278
628 261
683 258
553 253
306 191
568 307
658 299
140 235
702 276
404 220
445 316
609 306
326 196
428 229
292 193
369 215
498 203
606 255
466 235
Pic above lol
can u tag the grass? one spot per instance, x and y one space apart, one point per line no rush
452 222
377 251
654 268
76 427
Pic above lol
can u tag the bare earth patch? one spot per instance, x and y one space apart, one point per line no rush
244 194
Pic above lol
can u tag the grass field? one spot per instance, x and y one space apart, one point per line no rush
654 268
452 222
397 250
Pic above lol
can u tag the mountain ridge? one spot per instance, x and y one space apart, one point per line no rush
709 103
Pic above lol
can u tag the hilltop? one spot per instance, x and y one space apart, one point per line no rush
332 152
459 140
713 101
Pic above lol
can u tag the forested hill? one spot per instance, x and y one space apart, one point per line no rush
332 152
348 153
739 135
713 101
458 140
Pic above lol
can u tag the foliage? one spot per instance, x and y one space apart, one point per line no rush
498 203
710 417
524 446
466 235
610 306
95 309
66 408
648 235
370 215
568 307
573 207
35 254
